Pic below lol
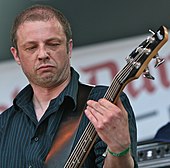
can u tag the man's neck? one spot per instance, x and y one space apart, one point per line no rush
42 97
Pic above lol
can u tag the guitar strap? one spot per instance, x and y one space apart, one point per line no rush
66 133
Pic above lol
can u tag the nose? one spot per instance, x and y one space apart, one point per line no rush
43 54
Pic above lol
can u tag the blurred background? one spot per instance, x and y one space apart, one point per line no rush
93 21
104 33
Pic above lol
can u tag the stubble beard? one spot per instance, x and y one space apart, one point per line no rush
53 79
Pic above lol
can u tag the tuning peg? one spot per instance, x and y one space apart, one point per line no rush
159 35
128 59
151 31
159 61
146 51
136 64
150 39
147 74
139 49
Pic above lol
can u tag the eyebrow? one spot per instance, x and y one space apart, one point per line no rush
53 39
47 40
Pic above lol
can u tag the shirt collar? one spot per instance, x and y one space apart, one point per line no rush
25 96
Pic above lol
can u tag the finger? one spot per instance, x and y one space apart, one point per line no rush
112 111
95 107
94 116
90 115
108 105
121 106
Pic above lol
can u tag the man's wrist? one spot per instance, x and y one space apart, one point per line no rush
122 153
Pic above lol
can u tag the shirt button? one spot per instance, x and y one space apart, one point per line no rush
36 139
29 166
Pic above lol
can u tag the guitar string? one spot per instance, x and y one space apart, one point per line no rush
126 71
119 80
77 152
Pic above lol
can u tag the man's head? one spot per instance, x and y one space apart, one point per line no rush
42 45
40 13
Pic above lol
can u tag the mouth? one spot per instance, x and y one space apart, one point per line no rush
47 66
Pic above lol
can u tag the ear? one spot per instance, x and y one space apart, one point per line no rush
15 54
70 47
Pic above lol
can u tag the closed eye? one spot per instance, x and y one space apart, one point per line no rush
53 44
30 48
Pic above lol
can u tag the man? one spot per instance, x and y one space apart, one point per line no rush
42 46
163 133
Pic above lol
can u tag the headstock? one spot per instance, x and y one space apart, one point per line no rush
139 59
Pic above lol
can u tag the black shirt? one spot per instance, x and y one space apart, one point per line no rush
25 142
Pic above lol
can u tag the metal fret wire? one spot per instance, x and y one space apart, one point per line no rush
90 130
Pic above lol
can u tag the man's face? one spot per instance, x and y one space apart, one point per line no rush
43 52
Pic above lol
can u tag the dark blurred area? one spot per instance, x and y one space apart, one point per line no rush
92 21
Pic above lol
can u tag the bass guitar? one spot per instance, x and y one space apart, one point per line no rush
137 63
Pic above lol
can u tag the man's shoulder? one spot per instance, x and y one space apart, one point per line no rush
5 115
100 90
7 111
